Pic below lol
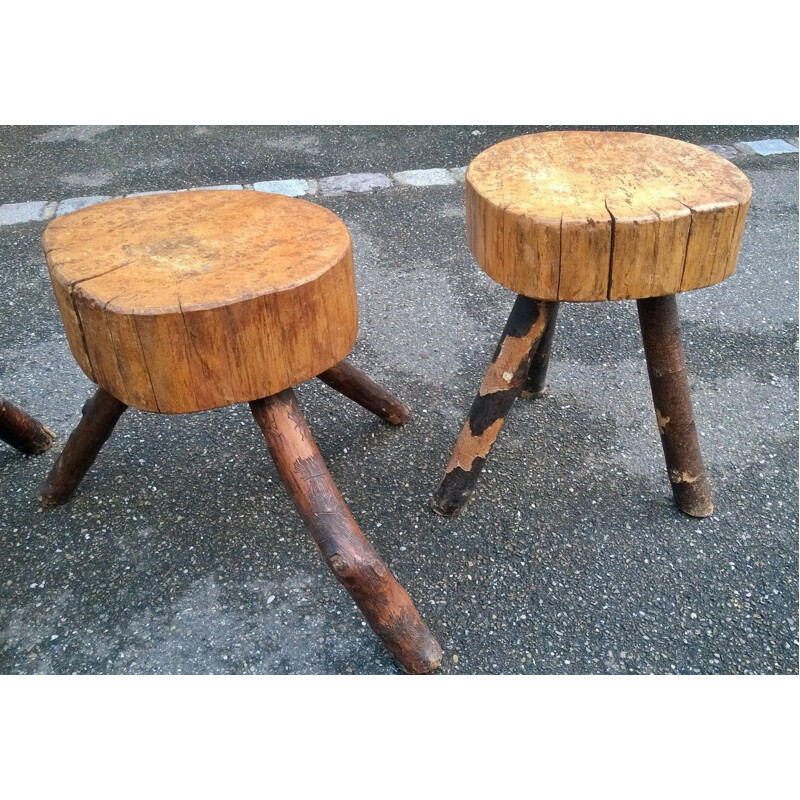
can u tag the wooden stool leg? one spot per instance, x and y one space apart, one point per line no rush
666 366
22 431
384 603
100 415
501 386
353 383
535 382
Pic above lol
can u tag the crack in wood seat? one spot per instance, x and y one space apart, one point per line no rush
193 300
589 216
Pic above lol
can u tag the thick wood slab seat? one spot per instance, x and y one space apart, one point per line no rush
595 215
194 300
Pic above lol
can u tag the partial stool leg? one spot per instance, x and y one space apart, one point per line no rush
100 415
501 385
22 431
384 603
537 374
353 383
666 365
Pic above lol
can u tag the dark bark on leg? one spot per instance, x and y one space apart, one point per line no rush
100 415
669 382
353 383
22 431
501 386
537 375
384 603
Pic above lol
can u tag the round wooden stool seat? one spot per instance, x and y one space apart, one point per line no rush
193 300
584 215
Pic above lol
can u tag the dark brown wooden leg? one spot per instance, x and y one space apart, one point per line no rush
22 431
666 365
537 375
100 415
384 603
501 386
353 383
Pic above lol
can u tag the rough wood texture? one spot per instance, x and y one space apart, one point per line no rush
537 375
585 215
501 385
100 414
669 382
22 431
353 383
194 300
384 603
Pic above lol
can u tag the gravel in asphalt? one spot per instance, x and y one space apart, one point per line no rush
182 553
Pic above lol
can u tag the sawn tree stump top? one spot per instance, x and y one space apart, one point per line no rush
195 249
594 215
192 300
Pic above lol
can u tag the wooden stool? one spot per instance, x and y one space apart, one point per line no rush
189 301
21 430
588 216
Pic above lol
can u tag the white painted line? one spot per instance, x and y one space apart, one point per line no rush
425 177
226 186
291 188
160 191
354 182
770 147
725 150
76 203
361 182
15 213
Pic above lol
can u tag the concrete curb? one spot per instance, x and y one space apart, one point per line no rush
337 185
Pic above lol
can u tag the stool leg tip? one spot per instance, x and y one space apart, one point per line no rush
50 500
399 416
446 508
525 394
427 663
698 510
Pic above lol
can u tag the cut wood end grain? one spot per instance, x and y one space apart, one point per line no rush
596 215
202 249
195 300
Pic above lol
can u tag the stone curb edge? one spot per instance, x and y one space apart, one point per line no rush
336 185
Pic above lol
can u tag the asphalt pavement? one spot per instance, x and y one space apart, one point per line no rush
182 553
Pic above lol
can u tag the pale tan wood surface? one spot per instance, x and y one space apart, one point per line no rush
193 300
595 215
